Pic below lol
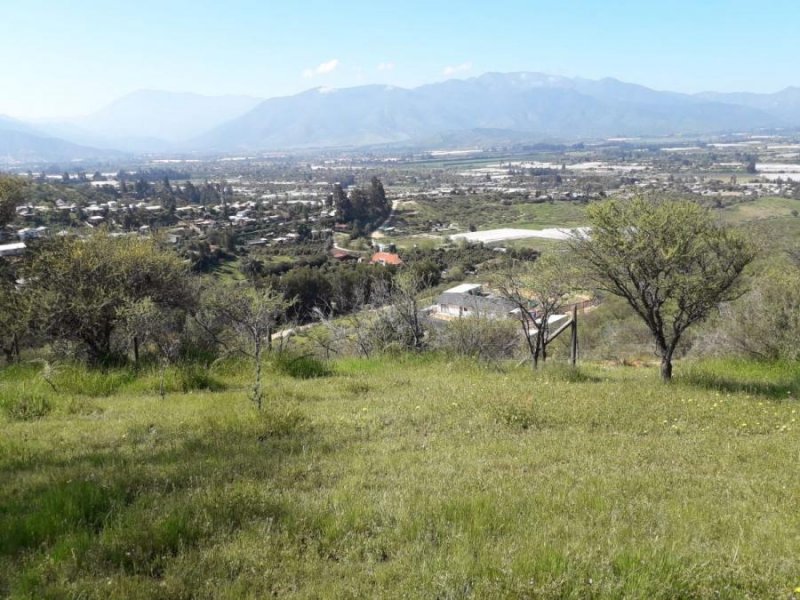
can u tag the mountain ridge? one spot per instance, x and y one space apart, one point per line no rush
521 106
542 106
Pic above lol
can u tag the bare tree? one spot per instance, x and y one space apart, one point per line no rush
251 316
161 327
401 316
537 290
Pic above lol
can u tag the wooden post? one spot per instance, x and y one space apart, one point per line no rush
573 346
16 347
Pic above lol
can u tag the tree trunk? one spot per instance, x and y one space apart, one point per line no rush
136 349
666 368
257 395
16 347
161 389
573 342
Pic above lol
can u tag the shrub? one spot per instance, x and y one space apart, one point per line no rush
27 405
78 379
300 367
192 377
479 337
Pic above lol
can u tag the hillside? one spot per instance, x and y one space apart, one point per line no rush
152 120
535 106
22 145
491 109
402 477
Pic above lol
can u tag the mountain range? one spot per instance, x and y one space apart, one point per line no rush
509 106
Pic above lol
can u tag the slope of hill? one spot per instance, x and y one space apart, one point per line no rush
19 145
536 105
150 120
784 105
404 476
491 108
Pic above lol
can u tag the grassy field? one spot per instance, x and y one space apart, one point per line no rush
762 209
491 212
409 476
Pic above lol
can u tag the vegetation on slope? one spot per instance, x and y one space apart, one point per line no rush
405 476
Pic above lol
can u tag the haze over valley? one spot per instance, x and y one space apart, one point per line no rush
492 109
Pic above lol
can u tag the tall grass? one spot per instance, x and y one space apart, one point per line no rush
406 476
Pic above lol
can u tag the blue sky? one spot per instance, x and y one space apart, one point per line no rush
65 58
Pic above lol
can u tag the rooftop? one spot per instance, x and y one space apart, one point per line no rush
464 288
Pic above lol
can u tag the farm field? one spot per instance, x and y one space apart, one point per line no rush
405 476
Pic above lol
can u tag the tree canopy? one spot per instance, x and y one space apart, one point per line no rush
668 259
80 287
365 209
10 196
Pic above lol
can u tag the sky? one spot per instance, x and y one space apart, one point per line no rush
60 58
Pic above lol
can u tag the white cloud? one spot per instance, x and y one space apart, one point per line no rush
386 66
455 69
322 69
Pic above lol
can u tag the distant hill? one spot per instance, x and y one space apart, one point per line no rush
19 145
492 109
532 105
784 105
152 121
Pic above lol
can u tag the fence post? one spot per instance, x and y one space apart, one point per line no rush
573 346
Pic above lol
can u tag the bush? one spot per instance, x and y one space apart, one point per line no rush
765 322
27 405
300 367
79 379
192 377
482 338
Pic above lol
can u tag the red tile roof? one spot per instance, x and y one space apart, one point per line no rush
386 258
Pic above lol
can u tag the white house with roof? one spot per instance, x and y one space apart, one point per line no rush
469 299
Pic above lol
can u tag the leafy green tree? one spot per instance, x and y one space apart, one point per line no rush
11 194
764 323
14 318
363 209
79 287
668 259
147 323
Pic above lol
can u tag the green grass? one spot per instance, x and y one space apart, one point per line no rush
760 209
408 476
490 212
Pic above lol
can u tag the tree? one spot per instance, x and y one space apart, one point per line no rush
251 315
764 323
538 290
11 194
14 316
669 260
401 320
146 322
80 286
